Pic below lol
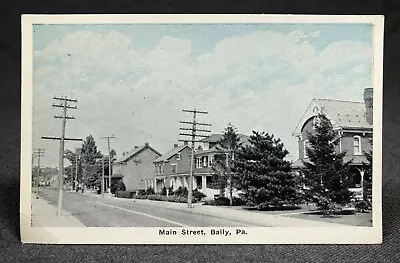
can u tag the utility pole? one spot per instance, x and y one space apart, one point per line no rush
193 136
109 160
62 102
38 153
102 177
77 152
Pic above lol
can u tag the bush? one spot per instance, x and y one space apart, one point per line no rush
149 191
123 194
197 195
158 197
164 191
141 192
362 206
181 191
329 208
118 186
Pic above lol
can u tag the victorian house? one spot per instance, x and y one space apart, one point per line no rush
353 123
134 166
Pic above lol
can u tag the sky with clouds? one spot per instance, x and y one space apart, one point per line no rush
134 80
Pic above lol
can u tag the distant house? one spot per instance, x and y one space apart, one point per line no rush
134 166
171 169
204 158
353 123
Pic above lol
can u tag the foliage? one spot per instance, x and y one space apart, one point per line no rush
123 194
149 191
223 164
224 201
181 191
118 186
329 208
197 195
367 184
92 169
363 206
158 197
327 175
164 191
265 176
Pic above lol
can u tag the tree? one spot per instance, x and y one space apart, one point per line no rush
76 162
91 166
327 175
263 173
223 165
367 183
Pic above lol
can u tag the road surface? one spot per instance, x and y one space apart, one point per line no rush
113 212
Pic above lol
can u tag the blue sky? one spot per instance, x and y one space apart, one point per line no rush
133 80
205 36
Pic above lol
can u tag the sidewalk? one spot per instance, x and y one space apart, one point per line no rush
252 217
44 214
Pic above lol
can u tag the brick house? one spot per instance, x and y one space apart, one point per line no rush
203 160
353 123
170 169
134 166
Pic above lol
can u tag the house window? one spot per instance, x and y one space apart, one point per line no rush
357 145
306 146
178 156
173 168
205 161
198 162
210 160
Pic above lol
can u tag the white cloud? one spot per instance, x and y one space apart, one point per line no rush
263 80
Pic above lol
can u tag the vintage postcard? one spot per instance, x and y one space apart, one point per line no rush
201 129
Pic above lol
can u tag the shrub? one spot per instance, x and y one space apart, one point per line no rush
149 191
362 206
181 191
164 191
141 192
197 195
118 186
123 194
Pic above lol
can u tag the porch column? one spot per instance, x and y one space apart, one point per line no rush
203 182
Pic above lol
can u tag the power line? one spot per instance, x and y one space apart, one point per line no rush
193 136
62 102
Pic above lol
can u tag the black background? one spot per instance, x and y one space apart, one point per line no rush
11 250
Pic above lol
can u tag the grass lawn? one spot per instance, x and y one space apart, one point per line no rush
357 219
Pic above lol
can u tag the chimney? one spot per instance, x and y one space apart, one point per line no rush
135 147
185 143
146 144
368 99
175 145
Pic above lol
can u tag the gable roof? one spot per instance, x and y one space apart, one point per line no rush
170 153
343 114
135 152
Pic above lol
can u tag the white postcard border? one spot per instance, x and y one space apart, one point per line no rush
141 235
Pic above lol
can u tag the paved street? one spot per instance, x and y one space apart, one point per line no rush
112 212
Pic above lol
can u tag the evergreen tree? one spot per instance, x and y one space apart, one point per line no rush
223 165
91 166
327 175
263 173
367 183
